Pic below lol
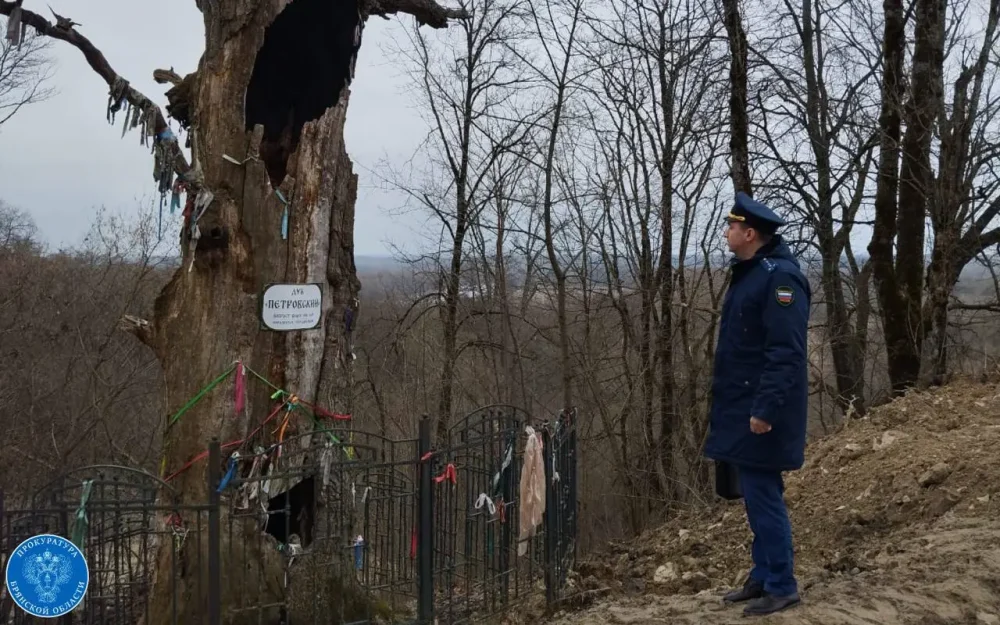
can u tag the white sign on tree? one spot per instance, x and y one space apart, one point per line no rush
287 307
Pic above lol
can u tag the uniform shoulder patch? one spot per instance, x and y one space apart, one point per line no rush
785 295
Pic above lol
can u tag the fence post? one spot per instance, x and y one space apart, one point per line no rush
214 538
551 526
572 465
425 531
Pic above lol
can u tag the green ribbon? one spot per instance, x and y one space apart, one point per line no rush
194 400
278 392
79 530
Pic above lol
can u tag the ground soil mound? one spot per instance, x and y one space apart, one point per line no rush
895 521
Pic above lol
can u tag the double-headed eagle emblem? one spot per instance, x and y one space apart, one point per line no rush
47 572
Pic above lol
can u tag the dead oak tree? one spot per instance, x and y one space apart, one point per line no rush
270 93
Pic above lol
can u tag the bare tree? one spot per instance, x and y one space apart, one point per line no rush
657 126
901 281
17 229
556 25
467 100
885 264
960 197
90 394
817 72
966 199
25 68
500 271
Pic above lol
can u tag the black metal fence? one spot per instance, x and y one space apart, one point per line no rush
332 526
129 523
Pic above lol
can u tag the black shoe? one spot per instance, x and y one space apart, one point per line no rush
752 589
769 604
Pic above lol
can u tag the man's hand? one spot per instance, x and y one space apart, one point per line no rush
759 427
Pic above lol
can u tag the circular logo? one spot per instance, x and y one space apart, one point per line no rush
47 576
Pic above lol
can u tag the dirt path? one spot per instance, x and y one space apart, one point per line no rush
949 575
896 520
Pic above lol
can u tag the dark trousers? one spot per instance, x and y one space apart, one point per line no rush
773 559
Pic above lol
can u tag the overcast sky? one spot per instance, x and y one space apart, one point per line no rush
60 160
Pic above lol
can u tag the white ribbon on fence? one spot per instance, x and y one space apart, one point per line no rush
484 499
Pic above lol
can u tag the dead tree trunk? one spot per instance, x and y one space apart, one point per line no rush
271 94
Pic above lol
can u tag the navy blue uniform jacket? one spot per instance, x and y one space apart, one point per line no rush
760 364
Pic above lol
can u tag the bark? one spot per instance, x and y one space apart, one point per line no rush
916 181
880 249
270 92
738 120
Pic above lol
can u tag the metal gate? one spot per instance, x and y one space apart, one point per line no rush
126 521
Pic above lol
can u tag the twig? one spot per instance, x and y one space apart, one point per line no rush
33 458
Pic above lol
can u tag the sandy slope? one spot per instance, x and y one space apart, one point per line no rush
895 518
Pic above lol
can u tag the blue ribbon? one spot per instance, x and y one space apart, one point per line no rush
359 545
284 215
230 472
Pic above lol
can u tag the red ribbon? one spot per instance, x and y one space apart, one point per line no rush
322 412
449 474
190 463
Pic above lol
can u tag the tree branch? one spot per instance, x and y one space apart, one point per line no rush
162 76
142 329
974 242
427 12
993 308
120 90
180 96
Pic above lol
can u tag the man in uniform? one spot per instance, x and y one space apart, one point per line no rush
759 395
